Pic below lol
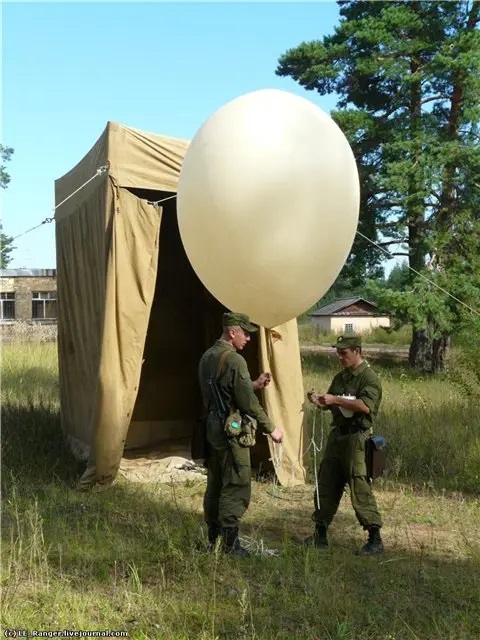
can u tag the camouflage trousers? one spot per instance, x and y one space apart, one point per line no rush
228 492
344 463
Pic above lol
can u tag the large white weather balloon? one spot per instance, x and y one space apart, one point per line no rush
268 203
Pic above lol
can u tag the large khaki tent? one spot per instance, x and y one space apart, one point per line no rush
134 318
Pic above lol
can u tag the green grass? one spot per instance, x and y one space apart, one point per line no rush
126 559
310 334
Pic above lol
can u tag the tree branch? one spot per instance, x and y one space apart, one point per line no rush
474 16
432 98
386 244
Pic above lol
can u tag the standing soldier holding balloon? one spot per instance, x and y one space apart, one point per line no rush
234 413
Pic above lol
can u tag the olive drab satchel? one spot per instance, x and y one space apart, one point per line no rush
237 425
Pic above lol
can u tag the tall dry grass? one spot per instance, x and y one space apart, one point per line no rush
127 560
311 334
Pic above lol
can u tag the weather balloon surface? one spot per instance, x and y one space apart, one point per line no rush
268 204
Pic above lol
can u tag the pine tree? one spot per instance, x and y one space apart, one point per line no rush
6 242
408 79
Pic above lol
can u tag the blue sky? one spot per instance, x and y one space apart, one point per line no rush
68 68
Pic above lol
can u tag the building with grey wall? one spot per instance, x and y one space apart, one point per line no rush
28 295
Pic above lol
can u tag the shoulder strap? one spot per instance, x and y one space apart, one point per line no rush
221 363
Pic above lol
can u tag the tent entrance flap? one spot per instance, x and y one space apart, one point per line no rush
168 399
185 320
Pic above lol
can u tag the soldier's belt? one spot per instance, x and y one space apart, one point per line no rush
349 431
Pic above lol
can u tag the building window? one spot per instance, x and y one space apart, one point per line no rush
7 306
44 305
349 328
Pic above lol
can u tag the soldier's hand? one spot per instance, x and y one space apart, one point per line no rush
268 378
262 381
315 398
277 435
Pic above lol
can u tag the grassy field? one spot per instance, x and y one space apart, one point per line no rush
310 334
127 559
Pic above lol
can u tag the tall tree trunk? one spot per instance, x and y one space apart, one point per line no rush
420 354
440 353
430 354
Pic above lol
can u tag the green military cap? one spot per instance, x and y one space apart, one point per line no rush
238 320
348 341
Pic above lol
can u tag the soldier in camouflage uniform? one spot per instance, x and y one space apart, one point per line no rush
344 458
227 495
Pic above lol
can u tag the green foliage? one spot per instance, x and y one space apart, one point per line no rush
5 156
6 248
464 371
6 242
408 79
414 306
399 277
422 304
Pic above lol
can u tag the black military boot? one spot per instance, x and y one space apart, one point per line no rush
319 538
231 543
374 544
214 532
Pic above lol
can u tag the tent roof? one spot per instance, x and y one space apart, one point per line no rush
134 158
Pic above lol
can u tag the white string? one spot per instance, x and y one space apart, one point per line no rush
277 459
257 548
420 274
315 448
157 202
278 454
98 172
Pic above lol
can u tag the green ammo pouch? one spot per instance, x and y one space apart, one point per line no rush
233 425
243 427
249 431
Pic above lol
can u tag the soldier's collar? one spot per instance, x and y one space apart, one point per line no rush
225 345
359 369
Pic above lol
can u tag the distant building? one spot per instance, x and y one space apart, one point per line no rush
28 295
349 314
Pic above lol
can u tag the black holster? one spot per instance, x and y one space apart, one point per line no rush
375 456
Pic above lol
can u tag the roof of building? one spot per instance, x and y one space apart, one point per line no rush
338 305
